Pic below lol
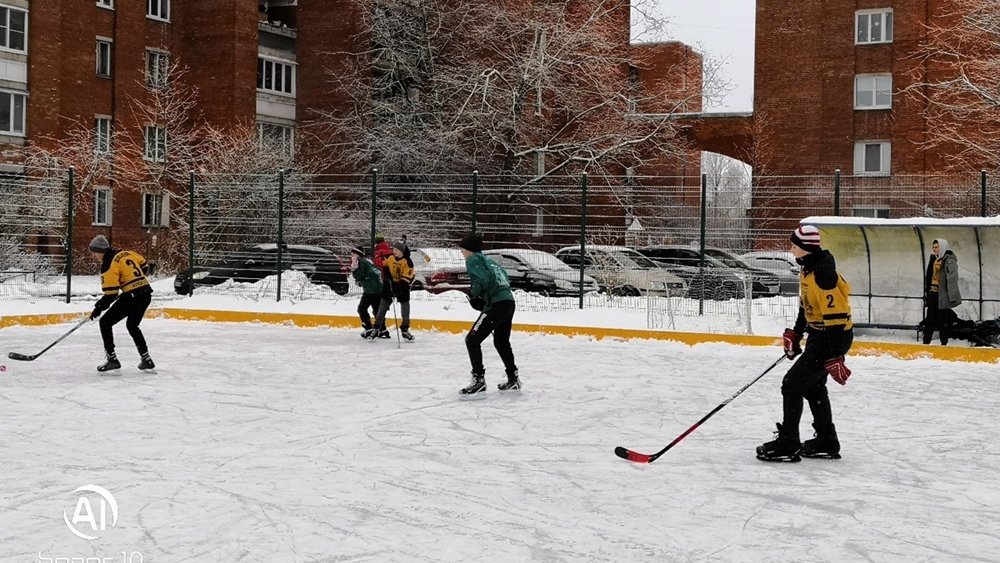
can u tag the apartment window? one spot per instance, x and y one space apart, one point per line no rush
158 9
156 69
13 28
275 76
873 26
873 91
102 135
102 207
103 58
12 113
155 210
155 143
106 3
274 135
873 212
871 158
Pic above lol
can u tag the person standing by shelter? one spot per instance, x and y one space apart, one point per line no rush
941 291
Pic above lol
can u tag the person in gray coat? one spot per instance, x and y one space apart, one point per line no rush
941 291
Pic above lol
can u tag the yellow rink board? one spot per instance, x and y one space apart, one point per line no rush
860 348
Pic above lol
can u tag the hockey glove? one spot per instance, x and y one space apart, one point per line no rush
793 343
478 303
95 314
838 371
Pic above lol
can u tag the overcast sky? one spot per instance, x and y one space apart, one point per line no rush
723 29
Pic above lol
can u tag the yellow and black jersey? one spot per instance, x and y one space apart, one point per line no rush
123 271
824 295
400 269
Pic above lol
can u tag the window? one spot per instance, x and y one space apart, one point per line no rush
873 91
102 207
155 210
275 76
102 135
155 143
158 9
156 69
873 212
12 113
873 26
278 136
13 28
871 158
103 58
106 3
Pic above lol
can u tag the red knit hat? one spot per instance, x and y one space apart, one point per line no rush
806 237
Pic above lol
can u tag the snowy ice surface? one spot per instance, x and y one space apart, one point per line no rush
273 443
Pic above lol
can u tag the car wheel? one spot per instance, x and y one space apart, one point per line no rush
625 291
416 286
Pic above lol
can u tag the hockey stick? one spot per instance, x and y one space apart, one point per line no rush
24 358
650 458
395 319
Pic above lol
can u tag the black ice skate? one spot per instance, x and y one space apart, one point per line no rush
824 445
512 385
370 334
476 389
406 335
111 367
147 364
785 446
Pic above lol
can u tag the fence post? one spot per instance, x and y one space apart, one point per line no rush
983 205
583 233
69 234
836 192
701 249
281 223
475 198
371 241
191 233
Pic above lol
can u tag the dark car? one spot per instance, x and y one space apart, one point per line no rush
253 263
724 274
541 272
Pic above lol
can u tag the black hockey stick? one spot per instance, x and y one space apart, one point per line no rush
650 458
24 358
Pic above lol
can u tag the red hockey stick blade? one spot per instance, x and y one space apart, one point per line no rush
632 456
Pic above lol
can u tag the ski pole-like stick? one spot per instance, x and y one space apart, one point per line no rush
25 358
637 457
395 319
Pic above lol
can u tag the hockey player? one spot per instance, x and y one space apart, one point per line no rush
397 275
490 294
824 313
126 296
382 251
370 280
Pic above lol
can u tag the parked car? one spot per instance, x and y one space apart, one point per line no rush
540 272
253 263
765 284
623 271
437 270
780 263
717 281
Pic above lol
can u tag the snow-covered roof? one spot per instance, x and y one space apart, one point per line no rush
903 222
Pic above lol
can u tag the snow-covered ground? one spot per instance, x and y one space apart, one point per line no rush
274 443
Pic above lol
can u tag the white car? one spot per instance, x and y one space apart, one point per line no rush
780 263
540 272
623 271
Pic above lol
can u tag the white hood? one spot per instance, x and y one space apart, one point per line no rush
945 247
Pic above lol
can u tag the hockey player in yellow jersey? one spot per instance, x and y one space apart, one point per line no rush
825 314
126 296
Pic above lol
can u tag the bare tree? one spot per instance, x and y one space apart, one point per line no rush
729 198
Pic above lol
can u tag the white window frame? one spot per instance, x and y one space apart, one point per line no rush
5 38
160 204
109 4
886 18
102 134
871 83
287 136
13 109
871 211
158 10
102 194
268 66
154 143
157 69
109 57
885 158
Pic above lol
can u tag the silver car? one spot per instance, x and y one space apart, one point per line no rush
540 272
623 271
780 263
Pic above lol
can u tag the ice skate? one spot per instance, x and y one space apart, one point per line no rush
785 447
406 335
825 445
147 364
476 389
111 367
512 385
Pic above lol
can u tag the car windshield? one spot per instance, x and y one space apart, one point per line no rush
726 259
634 260
544 261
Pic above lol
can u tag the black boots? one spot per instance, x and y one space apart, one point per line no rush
785 446
824 445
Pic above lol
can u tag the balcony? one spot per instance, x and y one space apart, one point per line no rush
277 28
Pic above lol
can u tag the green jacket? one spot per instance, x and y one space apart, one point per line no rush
488 280
368 277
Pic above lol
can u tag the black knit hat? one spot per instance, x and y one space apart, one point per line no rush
472 242
807 238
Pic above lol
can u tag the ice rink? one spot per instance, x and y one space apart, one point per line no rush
273 443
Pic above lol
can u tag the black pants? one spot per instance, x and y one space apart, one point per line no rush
368 301
131 306
807 378
497 320
936 319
